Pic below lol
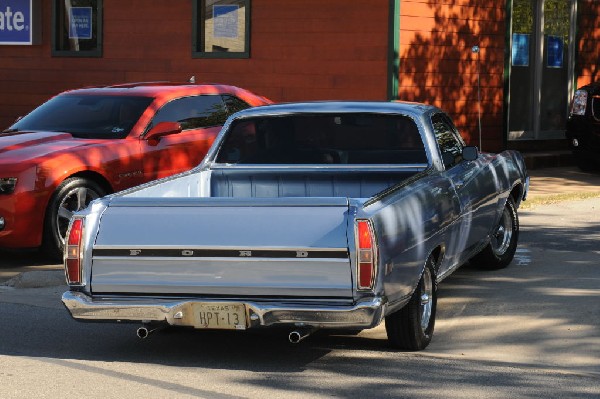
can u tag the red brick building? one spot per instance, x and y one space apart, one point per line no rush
532 54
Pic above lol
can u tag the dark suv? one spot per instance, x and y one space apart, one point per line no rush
583 126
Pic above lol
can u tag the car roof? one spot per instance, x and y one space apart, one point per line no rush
593 87
158 89
385 107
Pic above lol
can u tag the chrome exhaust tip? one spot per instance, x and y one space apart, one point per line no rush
298 335
143 332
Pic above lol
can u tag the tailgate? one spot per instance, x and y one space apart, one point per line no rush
281 247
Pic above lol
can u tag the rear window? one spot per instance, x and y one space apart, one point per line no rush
89 116
324 139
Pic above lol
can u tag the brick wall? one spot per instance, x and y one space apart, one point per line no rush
300 50
438 67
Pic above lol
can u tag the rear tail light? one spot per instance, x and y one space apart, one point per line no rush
579 102
73 252
366 250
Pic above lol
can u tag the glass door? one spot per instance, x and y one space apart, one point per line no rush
541 68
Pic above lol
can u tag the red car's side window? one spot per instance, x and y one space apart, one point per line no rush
193 112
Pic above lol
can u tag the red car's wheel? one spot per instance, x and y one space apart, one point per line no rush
74 194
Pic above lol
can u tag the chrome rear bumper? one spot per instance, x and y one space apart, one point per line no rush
364 314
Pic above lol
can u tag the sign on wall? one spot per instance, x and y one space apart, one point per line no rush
520 49
555 52
80 23
225 21
19 22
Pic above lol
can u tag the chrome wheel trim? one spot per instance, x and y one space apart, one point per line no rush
501 238
75 200
426 299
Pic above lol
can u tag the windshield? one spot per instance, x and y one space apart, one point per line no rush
87 116
324 139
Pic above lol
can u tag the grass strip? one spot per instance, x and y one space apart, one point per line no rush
556 198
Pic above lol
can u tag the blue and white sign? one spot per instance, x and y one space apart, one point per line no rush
16 18
80 23
520 49
555 52
225 20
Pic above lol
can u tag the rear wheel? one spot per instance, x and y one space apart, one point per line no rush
503 241
585 164
74 194
411 327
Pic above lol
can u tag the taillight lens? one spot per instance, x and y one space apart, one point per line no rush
73 252
579 102
366 251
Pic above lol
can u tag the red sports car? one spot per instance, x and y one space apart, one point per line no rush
86 143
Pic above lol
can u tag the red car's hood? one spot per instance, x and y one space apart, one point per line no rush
27 146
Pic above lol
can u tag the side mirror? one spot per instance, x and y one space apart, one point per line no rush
163 129
470 153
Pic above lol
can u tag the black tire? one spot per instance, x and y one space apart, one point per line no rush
73 194
585 164
411 328
503 242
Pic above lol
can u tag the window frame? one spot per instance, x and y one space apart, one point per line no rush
198 29
97 53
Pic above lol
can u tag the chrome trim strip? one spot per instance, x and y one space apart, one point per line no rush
221 259
240 253
365 314
219 247
319 167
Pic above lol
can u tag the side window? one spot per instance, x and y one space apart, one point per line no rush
234 104
445 134
454 129
193 112
596 107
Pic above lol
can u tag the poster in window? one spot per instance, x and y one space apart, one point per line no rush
520 49
80 23
555 52
225 21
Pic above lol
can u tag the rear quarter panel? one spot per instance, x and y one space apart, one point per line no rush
409 223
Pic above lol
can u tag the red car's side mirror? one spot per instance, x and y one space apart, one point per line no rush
163 129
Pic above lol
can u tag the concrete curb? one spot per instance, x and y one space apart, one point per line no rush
37 279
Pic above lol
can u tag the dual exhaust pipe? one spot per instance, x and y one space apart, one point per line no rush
294 337
143 332
298 335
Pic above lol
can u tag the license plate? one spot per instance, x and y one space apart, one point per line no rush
220 316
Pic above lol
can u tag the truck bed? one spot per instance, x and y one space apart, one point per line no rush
272 182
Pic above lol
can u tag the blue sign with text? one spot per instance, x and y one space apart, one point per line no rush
80 23
555 52
15 22
520 49
225 20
